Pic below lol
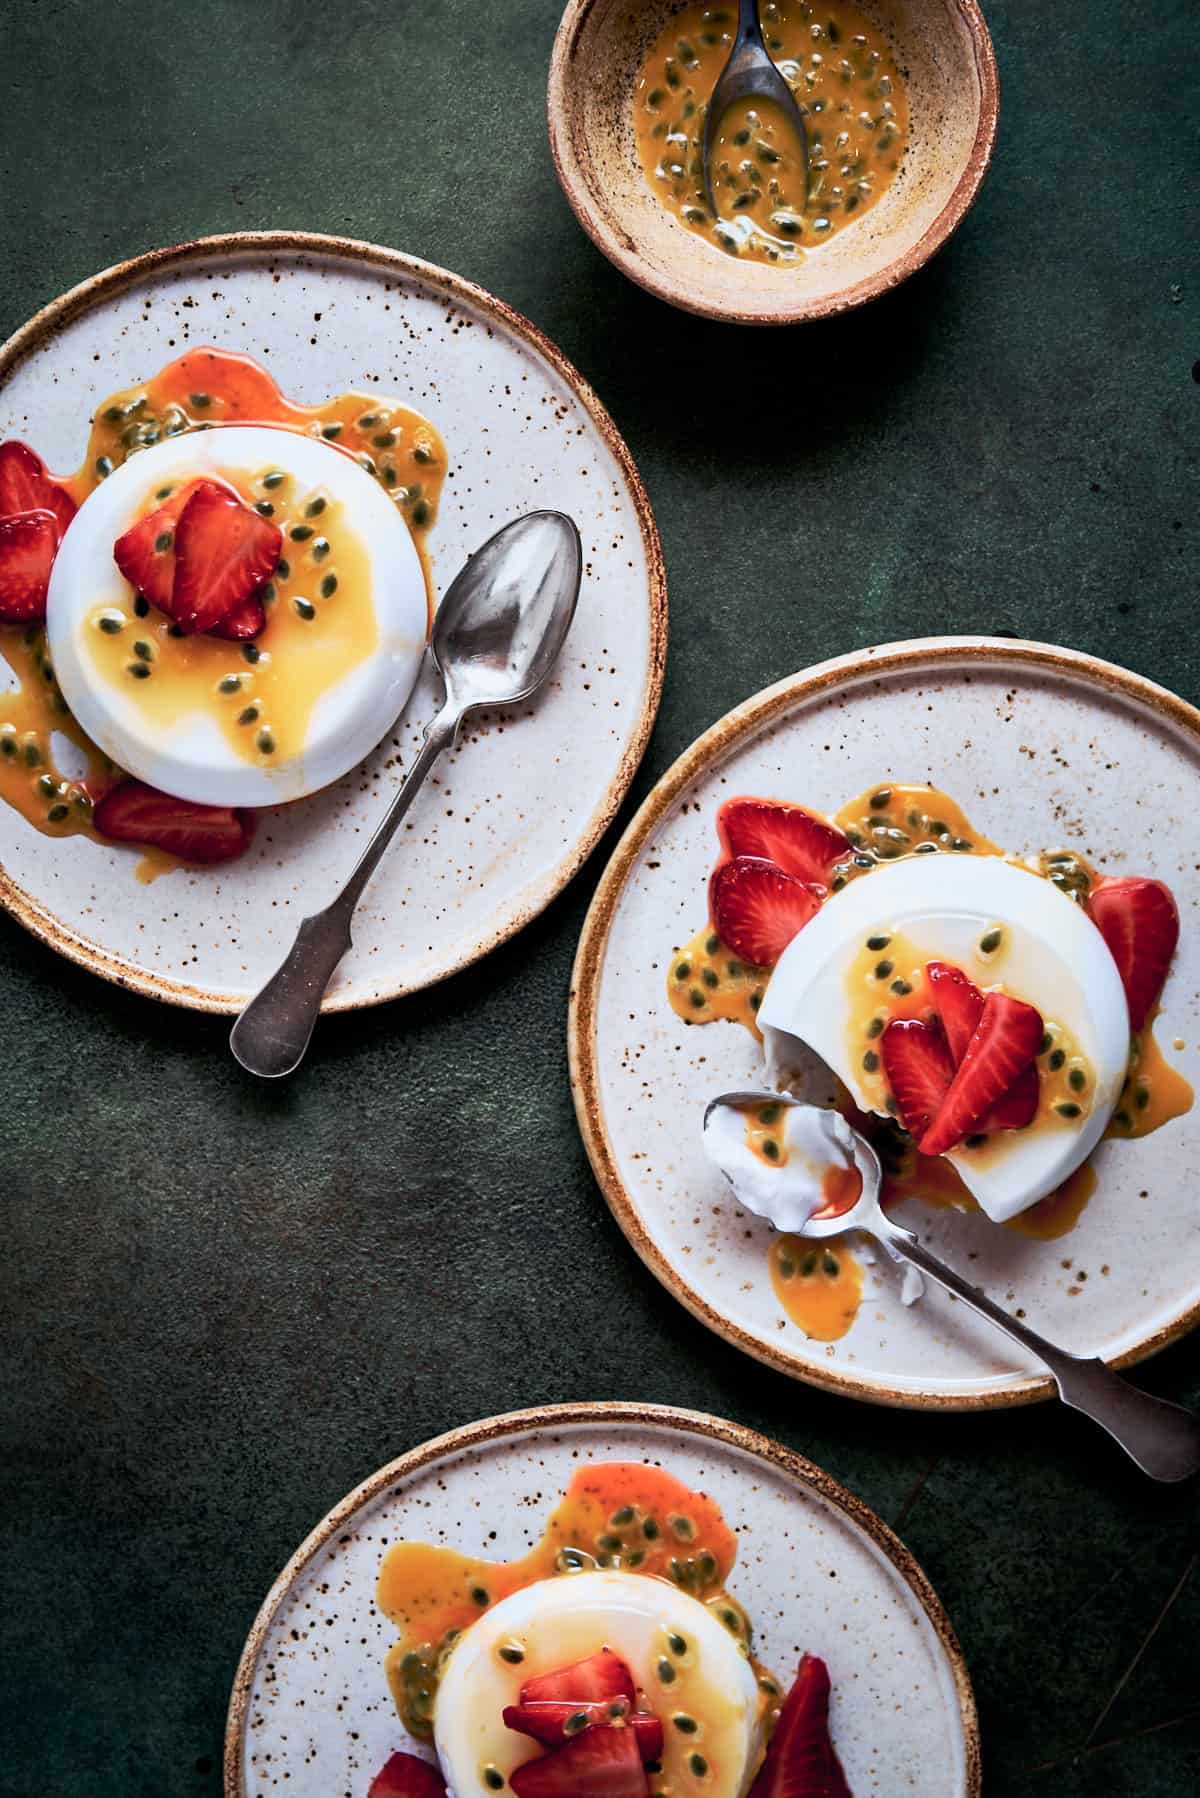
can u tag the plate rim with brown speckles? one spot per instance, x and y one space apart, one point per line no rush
772 705
37 917
668 1418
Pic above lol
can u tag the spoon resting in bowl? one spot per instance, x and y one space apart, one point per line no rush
1162 1438
749 74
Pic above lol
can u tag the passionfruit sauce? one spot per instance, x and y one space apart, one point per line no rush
620 1514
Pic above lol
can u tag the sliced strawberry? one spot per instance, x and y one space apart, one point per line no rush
599 1677
757 908
146 553
244 622
796 840
223 553
26 487
1138 920
597 1763
546 1721
919 1068
406 1776
801 1761
28 541
133 813
959 1005
1005 1041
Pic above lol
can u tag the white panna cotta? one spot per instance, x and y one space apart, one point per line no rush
1048 953
223 723
566 1619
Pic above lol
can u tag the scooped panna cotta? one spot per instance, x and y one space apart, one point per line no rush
861 965
984 1020
703 1693
237 716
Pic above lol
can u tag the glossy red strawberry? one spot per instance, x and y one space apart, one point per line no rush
28 542
223 553
597 1763
26 487
959 1004
405 1776
757 909
796 840
1005 1041
545 1722
244 622
1139 921
919 1069
599 1677
133 813
801 1761
145 554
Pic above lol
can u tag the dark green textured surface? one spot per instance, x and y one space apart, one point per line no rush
224 1306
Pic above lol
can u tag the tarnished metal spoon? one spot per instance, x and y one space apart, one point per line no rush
748 75
496 636
1162 1438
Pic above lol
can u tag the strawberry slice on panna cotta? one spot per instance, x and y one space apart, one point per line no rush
201 557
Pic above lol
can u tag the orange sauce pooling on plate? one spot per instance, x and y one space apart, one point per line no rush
615 1514
844 75
199 390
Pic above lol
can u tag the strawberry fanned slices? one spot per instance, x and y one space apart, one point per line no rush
1139 922
1004 1042
796 840
224 552
34 513
201 557
959 1005
801 1761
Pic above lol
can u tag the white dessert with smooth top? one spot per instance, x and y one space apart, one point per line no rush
1053 957
189 754
566 1619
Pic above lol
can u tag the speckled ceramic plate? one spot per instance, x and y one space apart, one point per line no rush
311 1714
1041 747
505 821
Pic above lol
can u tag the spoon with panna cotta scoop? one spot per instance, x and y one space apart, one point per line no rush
749 74
1162 1438
496 637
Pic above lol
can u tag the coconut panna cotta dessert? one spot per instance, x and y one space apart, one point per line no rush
608 1662
225 608
987 1020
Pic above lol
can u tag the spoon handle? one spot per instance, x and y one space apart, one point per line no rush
1162 1438
270 1037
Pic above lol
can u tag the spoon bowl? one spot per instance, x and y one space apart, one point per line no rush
1163 1439
499 628
749 74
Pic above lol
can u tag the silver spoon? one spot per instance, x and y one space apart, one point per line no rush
1162 1438
496 636
749 74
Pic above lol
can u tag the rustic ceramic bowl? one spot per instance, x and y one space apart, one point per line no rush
946 54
